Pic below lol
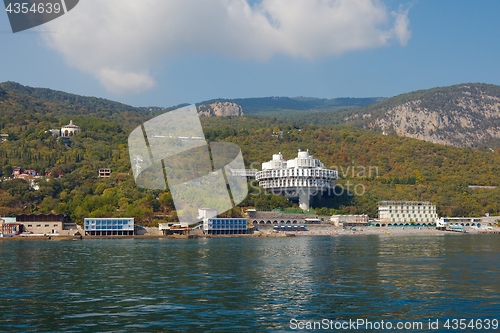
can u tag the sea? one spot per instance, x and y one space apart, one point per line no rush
357 283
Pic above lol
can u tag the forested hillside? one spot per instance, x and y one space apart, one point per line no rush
372 166
21 105
383 167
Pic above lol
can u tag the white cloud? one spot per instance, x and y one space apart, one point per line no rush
118 81
401 25
121 42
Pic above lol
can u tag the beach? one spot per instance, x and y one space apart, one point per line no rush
324 230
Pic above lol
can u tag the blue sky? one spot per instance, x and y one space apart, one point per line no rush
163 53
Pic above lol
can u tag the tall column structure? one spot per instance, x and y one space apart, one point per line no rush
299 178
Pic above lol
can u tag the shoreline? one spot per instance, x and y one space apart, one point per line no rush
270 233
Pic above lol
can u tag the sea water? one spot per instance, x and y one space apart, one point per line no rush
317 283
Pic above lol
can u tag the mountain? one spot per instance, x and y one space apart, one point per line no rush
464 115
220 109
270 104
374 166
30 104
48 102
285 107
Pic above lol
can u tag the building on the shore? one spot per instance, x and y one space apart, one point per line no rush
225 226
45 224
258 218
447 223
9 227
213 225
108 226
299 178
350 220
407 213
168 229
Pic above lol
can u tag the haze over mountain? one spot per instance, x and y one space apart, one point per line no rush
276 106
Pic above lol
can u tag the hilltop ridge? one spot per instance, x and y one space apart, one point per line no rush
463 115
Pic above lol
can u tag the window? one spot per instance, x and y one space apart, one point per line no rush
30 225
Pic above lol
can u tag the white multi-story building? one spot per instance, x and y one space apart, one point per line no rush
407 212
298 178
108 226
213 225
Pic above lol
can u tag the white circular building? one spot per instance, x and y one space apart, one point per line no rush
70 129
299 178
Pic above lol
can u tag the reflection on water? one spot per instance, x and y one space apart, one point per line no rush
246 284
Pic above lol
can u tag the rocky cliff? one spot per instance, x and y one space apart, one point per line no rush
220 109
466 115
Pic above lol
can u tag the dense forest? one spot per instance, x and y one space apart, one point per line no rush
371 166
383 167
21 105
